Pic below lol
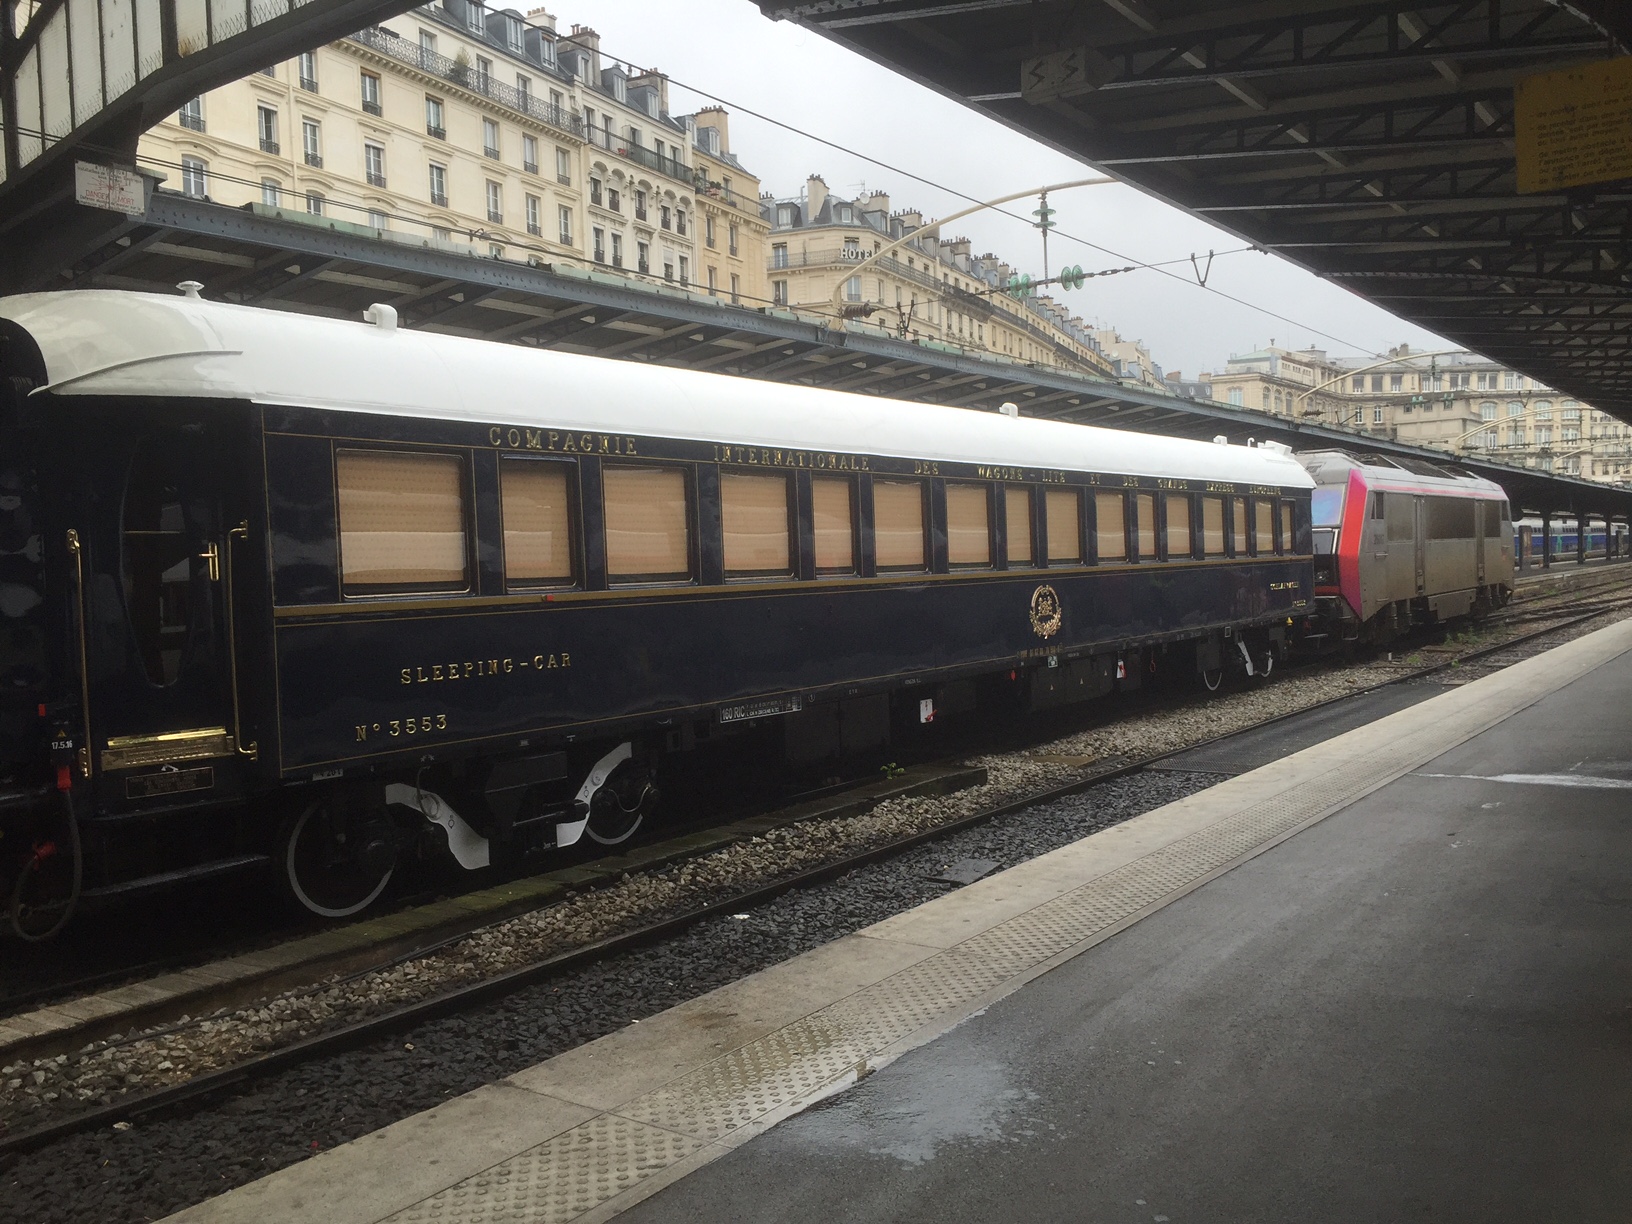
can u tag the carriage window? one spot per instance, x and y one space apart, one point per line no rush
1144 505
1212 526
754 516
1402 518
968 525
1111 526
898 524
1238 520
1288 539
833 509
1178 526
1263 526
1064 507
402 521
1495 512
1377 506
1017 525
158 566
1450 518
648 529
537 522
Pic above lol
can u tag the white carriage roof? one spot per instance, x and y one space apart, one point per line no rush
100 342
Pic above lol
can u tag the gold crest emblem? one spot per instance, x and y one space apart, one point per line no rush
1045 611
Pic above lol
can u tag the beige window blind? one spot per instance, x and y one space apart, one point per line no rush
1017 524
648 535
1263 524
754 518
1111 526
968 525
1145 509
402 520
1212 526
537 543
898 524
1178 527
1286 526
1238 512
833 510
1064 509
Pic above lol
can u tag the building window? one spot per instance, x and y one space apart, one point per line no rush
1063 508
495 202
1515 408
534 496
643 257
427 42
968 525
1358 383
640 205
614 202
271 193
665 217
852 289
484 73
1377 415
308 71
378 220
685 270
402 521
193 177
648 530
439 185
898 525
680 221
490 138
439 234
535 216
564 214
1396 382
598 243
311 142
779 293
513 34
371 94
1487 410
435 121
314 203
192 115
594 191
1544 410
708 229
713 280
731 237
779 255
524 90
1510 381
754 524
374 163
1237 397
266 127
736 289
563 167
529 154
474 17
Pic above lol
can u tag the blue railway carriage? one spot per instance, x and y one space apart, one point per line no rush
284 588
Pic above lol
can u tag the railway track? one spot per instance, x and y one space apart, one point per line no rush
345 1036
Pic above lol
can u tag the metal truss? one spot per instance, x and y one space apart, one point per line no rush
1370 141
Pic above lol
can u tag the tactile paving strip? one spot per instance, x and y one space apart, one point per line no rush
599 1159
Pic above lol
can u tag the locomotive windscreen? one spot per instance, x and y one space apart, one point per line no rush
1326 506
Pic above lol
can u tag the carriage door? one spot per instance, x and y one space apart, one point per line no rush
162 713
1422 544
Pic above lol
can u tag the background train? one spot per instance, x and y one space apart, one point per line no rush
1528 540
278 590
1403 542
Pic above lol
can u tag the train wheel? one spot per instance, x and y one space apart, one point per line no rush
620 806
334 863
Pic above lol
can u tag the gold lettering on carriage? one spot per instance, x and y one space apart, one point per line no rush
475 669
559 442
770 456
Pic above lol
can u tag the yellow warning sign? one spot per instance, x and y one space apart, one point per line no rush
1575 126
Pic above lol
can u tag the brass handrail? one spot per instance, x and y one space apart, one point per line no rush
253 751
84 753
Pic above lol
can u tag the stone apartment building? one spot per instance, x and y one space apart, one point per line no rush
1458 402
462 127
931 289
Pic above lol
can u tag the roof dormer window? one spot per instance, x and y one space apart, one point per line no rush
513 32
475 16
620 87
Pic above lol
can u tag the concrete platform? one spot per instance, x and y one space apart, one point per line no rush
1416 1005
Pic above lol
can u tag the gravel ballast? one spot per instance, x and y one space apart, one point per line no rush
161 1164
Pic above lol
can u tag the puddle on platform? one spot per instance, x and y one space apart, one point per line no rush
913 1114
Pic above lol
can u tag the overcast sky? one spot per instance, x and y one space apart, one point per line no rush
797 77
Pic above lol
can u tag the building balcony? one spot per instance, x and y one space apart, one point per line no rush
309 84
490 151
376 179
373 108
439 198
439 132
535 229
429 62
314 159
496 216
269 146
529 167
192 122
